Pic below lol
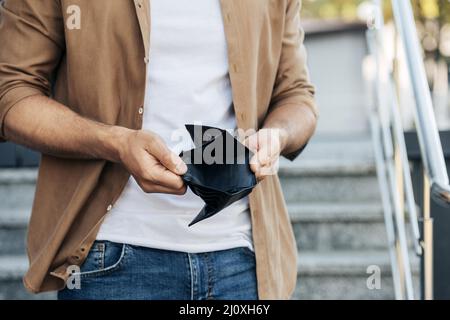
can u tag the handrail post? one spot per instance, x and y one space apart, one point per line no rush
398 247
387 208
427 242
436 180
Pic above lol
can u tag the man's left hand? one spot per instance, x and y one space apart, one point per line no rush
267 145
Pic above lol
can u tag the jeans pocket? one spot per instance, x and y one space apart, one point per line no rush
103 257
247 251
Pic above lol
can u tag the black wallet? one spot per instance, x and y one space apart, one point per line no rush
218 169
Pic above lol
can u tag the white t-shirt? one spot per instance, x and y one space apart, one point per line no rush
187 82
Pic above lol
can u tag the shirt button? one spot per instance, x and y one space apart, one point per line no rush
141 110
146 60
235 68
109 207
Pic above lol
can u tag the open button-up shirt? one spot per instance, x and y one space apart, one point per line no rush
91 56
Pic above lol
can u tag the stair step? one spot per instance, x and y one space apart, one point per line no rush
326 227
331 170
343 275
339 212
17 188
339 148
14 217
326 167
13 228
12 269
332 189
18 176
346 262
329 181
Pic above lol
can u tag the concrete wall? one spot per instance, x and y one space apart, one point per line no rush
335 65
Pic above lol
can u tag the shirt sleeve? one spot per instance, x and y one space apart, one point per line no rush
292 84
32 43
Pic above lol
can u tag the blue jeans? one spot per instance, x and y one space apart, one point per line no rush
121 271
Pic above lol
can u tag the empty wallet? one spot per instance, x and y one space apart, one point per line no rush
218 169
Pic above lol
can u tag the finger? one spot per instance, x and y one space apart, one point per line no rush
162 189
268 170
149 187
166 178
261 172
263 157
260 175
254 164
152 171
251 142
166 157
257 162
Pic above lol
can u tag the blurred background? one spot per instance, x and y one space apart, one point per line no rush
433 26
332 190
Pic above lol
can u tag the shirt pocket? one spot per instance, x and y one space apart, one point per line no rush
104 257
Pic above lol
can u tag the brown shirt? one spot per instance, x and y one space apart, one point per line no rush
98 70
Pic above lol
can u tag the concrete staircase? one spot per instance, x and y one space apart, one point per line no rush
333 200
334 203
16 196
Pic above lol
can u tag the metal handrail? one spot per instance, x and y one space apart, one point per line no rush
385 145
398 132
387 206
427 131
436 181
391 154
393 168
392 115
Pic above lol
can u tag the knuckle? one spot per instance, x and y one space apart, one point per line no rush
181 191
166 158
146 187
153 140
179 184
148 190
157 176
151 135
144 174
149 175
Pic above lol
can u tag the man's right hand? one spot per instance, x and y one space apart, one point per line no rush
41 123
154 167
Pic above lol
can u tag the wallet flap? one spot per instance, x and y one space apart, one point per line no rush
218 169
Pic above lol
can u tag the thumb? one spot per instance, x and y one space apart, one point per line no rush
167 158
251 142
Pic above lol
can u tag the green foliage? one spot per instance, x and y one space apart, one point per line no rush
331 9
348 9
432 18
